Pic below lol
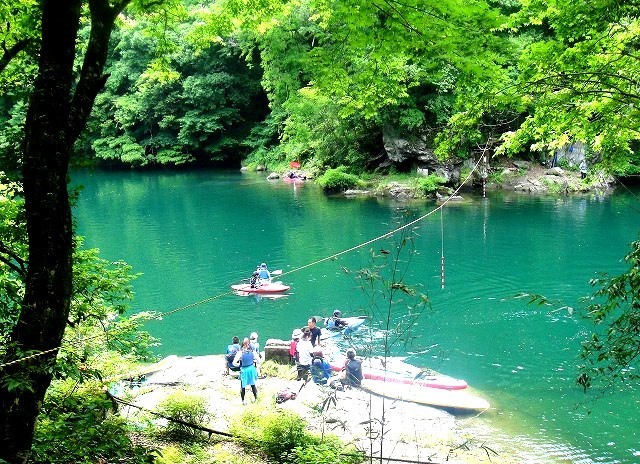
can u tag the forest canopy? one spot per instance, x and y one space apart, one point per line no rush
144 83
328 84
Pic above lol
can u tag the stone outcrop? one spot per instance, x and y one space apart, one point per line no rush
418 152
277 350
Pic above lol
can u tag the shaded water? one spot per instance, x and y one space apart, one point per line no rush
192 234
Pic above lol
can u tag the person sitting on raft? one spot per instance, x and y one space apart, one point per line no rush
334 322
352 370
255 280
263 273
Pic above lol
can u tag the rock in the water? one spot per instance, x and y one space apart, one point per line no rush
354 192
557 171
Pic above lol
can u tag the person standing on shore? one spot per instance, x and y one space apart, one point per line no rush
293 345
248 373
255 345
315 331
583 168
304 349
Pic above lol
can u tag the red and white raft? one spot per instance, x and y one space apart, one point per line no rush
272 287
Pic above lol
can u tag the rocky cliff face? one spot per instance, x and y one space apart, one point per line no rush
419 153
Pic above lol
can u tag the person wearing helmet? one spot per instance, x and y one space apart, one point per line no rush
352 370
334 322
263 272
255 279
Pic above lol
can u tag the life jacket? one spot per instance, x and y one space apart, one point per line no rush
320 370
354 372
247 359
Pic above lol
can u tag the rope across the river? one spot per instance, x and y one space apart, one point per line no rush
297 269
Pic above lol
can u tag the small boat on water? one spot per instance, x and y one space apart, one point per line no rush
294 180
352 324
270 287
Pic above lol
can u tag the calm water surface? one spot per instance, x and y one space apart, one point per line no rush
192 234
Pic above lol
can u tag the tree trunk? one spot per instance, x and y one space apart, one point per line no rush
55 117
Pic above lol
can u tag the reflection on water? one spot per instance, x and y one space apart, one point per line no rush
192 234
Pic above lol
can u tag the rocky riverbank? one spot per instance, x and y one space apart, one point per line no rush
509 175
397 429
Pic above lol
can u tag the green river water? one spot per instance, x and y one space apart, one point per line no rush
192 234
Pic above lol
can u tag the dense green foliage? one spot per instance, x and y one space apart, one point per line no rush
282 437
430 183
578 79
326 84
78 425
611 355
200 111
185 407
337 180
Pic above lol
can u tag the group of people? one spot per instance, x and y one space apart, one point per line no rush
244 359
305 350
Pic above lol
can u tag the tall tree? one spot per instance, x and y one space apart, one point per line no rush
579 79
58 110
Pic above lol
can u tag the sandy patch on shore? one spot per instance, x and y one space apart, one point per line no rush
378 426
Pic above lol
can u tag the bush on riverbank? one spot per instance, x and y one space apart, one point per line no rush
77 426
338 179
282 437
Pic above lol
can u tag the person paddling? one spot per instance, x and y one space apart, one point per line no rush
334 322
264 274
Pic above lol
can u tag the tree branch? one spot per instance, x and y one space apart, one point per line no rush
12 259
92 79
9 53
